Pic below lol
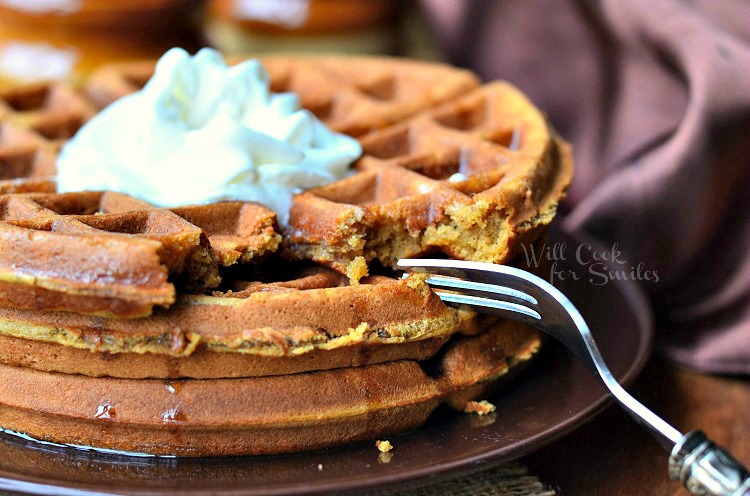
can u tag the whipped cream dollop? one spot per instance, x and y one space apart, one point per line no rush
201 132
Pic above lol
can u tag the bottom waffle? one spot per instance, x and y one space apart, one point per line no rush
261 415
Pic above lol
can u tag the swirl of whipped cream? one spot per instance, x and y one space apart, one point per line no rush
201 132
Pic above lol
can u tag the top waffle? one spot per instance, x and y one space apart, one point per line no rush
448 166
351 95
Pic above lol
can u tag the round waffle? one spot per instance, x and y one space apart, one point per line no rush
472 172
257 415
203 363
314 321
448 166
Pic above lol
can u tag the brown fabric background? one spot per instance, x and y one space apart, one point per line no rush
655 97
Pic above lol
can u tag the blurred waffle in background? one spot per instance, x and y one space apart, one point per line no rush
43 40
64 40
319 26
344 26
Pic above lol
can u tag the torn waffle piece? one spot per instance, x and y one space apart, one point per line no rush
97 253
404 202
111 255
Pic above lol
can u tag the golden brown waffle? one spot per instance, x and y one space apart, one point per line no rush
102 253
109 254
271 321
257 415
352 95
449 167
470 175
473 178
203 363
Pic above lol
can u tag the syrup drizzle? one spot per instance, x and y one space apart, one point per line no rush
105 411
173 415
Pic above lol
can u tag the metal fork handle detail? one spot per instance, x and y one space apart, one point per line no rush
707 469
704 468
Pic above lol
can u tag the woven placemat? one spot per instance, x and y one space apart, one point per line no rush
511 479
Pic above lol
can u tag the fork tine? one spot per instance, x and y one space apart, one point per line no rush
477 288
484 286
500 275
475 271
504 308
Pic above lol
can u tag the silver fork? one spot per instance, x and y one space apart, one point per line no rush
703 467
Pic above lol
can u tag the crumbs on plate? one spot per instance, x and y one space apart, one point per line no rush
479 407
384 446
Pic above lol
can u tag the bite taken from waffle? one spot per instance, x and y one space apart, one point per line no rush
235 326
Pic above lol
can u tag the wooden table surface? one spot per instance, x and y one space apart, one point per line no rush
613 456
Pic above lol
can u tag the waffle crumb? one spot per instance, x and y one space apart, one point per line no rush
320 467
356 270
479 407
384 446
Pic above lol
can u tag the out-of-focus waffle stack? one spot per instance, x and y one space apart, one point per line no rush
210 330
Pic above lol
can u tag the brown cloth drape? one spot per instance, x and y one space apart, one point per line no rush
655 97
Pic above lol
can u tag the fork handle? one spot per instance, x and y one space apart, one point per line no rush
706 469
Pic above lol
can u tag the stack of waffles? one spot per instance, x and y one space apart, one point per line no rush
211 330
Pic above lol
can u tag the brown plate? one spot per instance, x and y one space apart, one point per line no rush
549 399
